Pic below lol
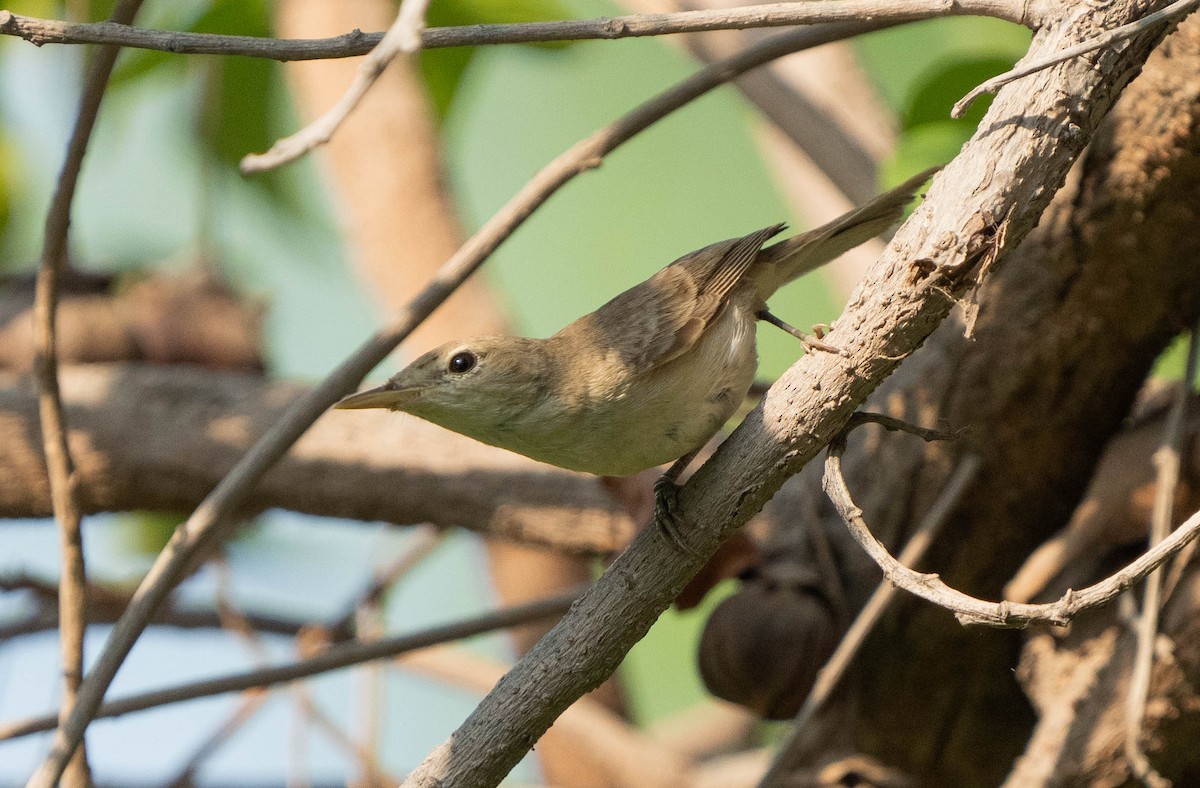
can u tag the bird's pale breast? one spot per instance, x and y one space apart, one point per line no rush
654 418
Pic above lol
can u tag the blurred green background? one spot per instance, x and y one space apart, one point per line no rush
160 187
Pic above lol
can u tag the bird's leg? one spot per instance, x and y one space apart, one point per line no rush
810 343
666 504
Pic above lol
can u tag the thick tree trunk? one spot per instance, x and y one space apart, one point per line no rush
1066 332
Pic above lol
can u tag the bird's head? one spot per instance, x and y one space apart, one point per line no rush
472 386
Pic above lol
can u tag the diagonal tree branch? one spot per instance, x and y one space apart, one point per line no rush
982 204
839 662
210 522
1168 462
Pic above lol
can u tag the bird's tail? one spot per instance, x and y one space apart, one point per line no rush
796 256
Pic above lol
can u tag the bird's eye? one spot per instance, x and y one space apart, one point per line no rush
462 361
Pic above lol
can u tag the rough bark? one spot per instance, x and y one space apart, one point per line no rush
1067 331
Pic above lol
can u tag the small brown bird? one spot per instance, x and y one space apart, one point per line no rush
645 379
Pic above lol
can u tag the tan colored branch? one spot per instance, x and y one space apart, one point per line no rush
160 438
1113 512
48 31
839 662
1168 462
389 184
970 610
64 487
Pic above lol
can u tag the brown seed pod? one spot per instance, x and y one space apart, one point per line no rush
762 647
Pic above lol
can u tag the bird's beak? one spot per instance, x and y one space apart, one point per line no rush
386 396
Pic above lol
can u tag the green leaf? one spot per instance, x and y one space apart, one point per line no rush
99 10
443 69
1172 363
234 117
239 17
936 93
239 111
925 146
898 59
38 8
223 16
8 184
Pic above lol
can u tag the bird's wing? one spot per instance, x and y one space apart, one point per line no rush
663 317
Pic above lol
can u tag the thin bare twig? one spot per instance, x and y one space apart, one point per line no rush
249 706
72 615
368 763
369 626
968 609
334 658
1173 12
209 522
403 37
1167 461
50 31
298 769
839 661
426 540
859 418
106 603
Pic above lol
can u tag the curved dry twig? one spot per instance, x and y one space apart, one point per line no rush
970 610
403 37
49 31
212 518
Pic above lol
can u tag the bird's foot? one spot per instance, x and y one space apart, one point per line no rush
811 343
667 517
